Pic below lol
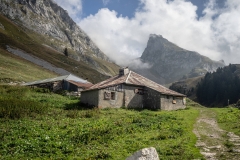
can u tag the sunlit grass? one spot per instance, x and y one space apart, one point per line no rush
228 119
67 131
13 69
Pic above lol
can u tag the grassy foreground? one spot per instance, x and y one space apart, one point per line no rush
55 127
228 119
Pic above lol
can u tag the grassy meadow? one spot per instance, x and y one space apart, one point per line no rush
228 119
36 124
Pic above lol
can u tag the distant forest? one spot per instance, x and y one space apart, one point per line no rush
219 88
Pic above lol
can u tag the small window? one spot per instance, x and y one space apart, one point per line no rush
107 95
113 94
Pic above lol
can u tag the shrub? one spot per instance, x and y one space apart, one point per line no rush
15 108
16 92
90 113
72 114
41 90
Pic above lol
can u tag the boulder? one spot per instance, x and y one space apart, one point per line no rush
145 154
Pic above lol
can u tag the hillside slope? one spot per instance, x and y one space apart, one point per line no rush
43 29
18 38
169 63
187 87
16 70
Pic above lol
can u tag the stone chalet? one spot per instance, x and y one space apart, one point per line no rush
132 90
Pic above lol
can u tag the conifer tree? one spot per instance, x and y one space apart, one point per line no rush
66 52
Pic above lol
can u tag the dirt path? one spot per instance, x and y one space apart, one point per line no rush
213 142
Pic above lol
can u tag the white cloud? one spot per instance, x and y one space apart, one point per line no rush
105 2
227 32
74 7
215 35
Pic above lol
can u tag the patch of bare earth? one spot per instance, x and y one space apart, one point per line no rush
213 142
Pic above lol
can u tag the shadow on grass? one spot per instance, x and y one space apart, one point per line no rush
78 106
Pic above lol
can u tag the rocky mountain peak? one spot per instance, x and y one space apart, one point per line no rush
155 40
170 63
53 22
155 36
158 48
49 19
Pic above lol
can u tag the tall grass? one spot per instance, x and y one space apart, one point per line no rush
13 104
15 108
17 102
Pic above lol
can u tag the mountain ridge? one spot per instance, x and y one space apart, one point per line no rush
58 30
171 63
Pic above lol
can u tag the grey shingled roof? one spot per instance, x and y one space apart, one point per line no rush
133 78
66 77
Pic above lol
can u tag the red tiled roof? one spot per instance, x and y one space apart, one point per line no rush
133 78
82 85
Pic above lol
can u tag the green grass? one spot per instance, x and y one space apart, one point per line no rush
13 68
64 130
228 119
67 131
18 102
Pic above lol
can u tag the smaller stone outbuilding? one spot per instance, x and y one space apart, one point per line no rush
131 90
69 83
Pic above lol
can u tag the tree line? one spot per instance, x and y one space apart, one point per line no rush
219 88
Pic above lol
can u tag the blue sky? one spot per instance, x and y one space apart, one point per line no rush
128 7
123 7
121 28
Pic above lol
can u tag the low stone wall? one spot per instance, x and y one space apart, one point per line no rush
90 98
117 102
172 103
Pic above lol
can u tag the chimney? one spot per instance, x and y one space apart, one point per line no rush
123 71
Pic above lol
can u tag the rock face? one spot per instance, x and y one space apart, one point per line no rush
145 154
1 26
170 63
48 19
